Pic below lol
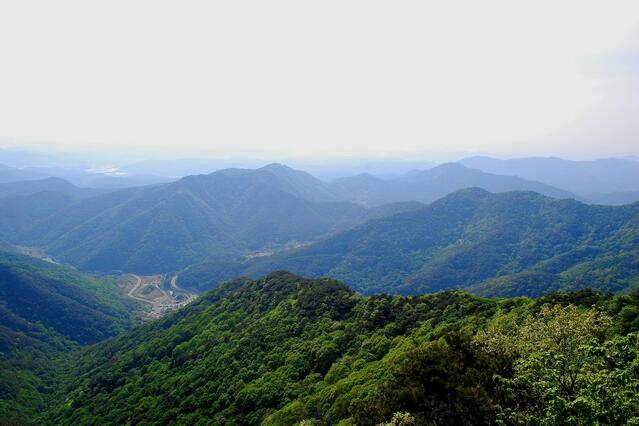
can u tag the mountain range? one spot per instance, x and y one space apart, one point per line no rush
429 185
590 180
222 217
584 178
166 227
515 243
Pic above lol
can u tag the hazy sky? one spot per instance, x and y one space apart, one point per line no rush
324 77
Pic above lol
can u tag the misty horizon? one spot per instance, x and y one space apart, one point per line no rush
42 155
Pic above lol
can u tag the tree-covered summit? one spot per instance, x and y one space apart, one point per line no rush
286 350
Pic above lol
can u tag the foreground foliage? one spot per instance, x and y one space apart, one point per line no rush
286 350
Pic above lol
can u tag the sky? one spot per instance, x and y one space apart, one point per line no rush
325 78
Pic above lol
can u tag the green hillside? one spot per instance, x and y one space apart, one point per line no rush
166 227
25 203
46 311
517 243
286 350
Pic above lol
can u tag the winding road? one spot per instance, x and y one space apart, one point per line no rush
189 296
161 304
135 288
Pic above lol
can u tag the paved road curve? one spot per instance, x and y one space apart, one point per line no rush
135 288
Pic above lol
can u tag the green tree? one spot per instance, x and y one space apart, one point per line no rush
401 418
553 361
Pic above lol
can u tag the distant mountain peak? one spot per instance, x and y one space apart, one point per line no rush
276 167
449 166
272 168
437 171
55 179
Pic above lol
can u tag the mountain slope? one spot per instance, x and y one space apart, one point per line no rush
285 349
45 311
222 217
450 177
166 227
20 212
24 203
247 349
79 307
471 237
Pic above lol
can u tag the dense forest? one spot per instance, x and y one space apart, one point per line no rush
509 244
286 350
46 312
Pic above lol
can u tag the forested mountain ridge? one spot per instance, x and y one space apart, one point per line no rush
286 349
509 244
46 311
222 217
166 227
